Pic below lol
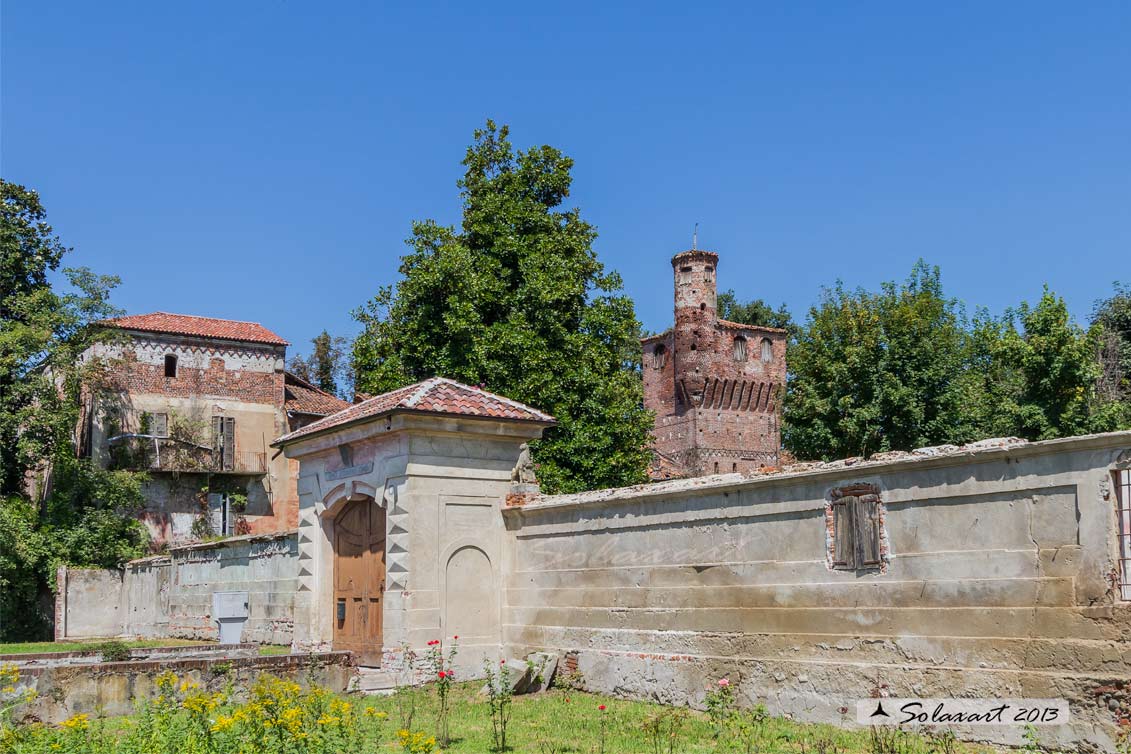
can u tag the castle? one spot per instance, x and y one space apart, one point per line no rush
714 385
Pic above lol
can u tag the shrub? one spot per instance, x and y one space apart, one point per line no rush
498 701
114 651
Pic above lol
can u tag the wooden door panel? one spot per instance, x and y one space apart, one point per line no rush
359 579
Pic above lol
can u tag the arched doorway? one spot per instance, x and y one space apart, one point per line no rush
359 579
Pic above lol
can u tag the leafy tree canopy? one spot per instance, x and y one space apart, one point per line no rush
875 371
756 312
517 301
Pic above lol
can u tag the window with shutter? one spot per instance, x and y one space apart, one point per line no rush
223 442
856 531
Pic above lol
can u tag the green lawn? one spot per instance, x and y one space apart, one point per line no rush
569 722
267 650
33 647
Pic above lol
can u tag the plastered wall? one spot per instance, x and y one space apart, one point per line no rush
997 582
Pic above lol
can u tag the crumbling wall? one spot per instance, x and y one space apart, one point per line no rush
996 581
264 566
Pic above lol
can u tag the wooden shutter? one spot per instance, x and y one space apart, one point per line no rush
844 554
867 520
229 443
159 425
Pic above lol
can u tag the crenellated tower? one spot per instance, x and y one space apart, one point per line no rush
715 385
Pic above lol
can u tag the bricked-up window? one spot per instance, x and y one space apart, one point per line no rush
659 356
767 350
856 530
223 442
170 365
1123 511
739 348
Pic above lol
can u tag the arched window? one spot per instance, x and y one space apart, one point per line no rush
659 356
767 350
170 365
739 348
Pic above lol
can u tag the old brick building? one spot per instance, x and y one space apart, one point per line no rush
715 385
196 402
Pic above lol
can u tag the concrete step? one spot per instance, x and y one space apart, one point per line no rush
373 682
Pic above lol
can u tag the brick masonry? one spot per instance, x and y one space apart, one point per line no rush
714 385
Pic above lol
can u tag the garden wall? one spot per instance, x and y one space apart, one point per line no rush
995 580
171 596
114 688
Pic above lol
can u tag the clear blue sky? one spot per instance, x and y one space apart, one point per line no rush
264 160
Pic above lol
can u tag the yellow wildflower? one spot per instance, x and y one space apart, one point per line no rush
77 722
222 724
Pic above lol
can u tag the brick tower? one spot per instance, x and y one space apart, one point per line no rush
715 385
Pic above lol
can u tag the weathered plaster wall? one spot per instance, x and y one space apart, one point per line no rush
266 567
88 603
997 583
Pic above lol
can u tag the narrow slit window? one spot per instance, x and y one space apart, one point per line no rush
170 365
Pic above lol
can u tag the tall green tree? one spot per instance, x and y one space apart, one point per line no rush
328 366
516 300
44 333
1113 315
1036 372
873 372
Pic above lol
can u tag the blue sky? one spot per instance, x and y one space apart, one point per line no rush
264 160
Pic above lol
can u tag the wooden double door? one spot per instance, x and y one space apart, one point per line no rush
359 579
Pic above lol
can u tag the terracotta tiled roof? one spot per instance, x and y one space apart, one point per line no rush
304 398
740 326
203 327
435 396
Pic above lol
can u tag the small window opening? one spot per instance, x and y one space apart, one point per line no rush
692 346
767 351
856 530
659 356
739 348
1123 511
685 269
716 467
733 467
702 307
170 365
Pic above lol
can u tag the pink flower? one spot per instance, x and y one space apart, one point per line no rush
724 682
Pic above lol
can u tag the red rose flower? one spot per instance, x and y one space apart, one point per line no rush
441 674
602 708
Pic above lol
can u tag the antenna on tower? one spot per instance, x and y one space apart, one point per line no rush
695 238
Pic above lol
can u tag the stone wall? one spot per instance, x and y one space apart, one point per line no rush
995 581
171 596
114 688
266 567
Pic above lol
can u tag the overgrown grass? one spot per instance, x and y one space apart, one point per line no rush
91 645
569 722
268 650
